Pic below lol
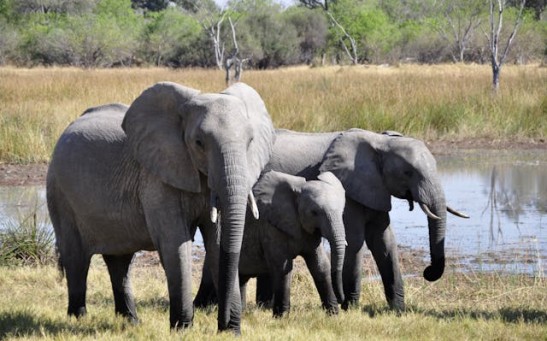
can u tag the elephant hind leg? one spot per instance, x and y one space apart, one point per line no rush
207 292
74 260
76 266
118 268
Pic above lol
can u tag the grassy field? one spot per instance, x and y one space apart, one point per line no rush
460 306
450 102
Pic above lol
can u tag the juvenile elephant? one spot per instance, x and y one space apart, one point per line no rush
142 177
295 215
372 167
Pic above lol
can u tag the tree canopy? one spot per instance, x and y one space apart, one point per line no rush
177 33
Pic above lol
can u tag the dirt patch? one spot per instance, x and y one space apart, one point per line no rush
22 175
444 147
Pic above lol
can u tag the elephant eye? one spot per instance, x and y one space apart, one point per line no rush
314 213
408 173
250 141
199 143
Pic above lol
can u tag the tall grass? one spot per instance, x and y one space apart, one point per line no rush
460 306
430 102
26 240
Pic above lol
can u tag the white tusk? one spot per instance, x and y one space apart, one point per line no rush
252 203
214 209
456 213
428 212
346 242
214 215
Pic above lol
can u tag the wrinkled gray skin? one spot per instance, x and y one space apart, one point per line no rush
372 168
124 179
294 215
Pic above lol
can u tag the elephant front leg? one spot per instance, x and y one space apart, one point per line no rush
176 261
320 269
354 223
282 275
381 242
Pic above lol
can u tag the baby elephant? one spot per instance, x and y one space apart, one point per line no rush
294 215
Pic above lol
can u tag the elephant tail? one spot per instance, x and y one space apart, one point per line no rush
55 217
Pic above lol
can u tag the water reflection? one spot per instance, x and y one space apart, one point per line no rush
505 194
17 203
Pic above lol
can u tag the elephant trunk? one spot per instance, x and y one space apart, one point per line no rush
336 237
233 189
431 195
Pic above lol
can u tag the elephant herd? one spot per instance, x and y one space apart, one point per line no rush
146 176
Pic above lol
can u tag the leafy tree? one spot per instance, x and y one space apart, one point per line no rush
54 6
263 34
150 5
457 23
8 41
311 29
168 37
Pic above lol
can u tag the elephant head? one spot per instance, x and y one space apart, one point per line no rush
299 208
180 135
373 167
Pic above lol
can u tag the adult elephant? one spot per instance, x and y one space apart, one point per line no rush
124 179
372 167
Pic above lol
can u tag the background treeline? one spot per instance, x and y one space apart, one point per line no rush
107 33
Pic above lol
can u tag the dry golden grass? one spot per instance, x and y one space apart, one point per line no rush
428 102
460 306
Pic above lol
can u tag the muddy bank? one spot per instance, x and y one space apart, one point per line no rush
35 174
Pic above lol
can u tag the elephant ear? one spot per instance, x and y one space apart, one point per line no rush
153 124
354 160
276 195
260 148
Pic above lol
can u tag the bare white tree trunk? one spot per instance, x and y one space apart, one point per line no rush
352 54
234 60
494 38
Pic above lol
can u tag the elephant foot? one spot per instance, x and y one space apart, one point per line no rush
133 320
331 310
181 325
397 304
399 308
280 314
350 303
77 312
231 327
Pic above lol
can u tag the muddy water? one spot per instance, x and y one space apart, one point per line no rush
505 193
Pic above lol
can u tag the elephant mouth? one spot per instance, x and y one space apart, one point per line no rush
410 199
215 207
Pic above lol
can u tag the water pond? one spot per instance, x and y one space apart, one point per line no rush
504 193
